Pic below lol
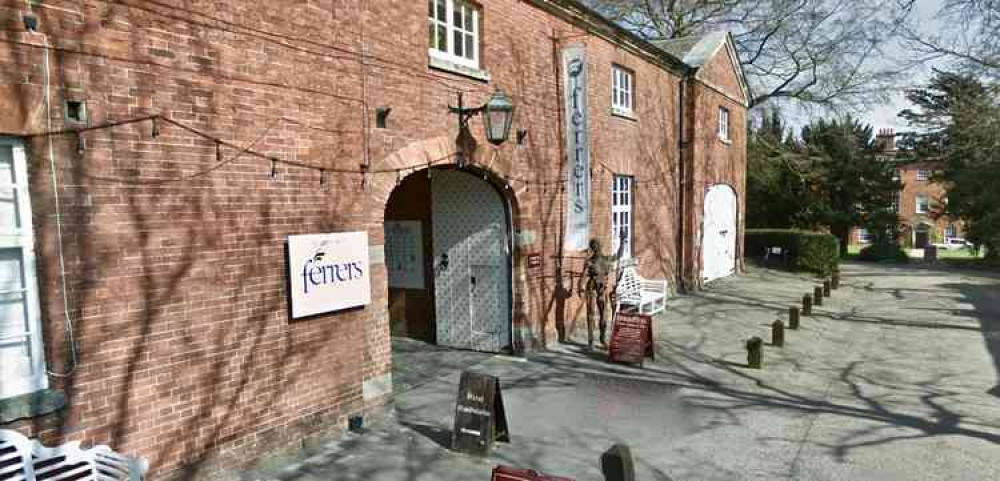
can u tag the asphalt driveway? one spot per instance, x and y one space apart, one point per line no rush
895 377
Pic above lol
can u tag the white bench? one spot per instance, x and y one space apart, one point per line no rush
23 459
645 296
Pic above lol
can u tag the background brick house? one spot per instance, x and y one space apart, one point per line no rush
167 152
919 203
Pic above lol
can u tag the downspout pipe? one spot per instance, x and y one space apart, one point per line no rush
681 183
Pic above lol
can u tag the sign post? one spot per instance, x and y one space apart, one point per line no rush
480 419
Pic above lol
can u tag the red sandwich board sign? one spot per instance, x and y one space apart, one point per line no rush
631 339
507 473
480 419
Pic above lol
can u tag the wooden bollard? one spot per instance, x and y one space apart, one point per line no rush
755 353
778 333
826 288
793 317
617 464
835 281
807 305
818 296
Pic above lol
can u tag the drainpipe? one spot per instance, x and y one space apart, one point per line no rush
681 183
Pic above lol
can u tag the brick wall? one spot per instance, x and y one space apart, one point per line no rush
935 192
175 261
713 161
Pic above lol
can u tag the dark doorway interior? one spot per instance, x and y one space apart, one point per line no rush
921 237
411 302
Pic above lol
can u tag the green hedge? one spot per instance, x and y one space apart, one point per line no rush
884 253
808 251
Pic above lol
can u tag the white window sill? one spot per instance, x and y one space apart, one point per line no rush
625 114
726 141
440 63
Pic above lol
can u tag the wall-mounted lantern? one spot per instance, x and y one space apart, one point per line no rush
498 117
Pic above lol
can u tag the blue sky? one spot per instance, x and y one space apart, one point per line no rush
885 115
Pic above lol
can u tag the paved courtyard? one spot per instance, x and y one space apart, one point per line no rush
894 378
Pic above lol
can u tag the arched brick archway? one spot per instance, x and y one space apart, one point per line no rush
413 160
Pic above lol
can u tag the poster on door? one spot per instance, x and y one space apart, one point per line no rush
328 272
404 254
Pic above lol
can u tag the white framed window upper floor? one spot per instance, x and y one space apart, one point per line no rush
923 175
923 204
622 91
453 32
723 129
22 359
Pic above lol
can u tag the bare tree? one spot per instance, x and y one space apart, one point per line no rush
826 53
970 38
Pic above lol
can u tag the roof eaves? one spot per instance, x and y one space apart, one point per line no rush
580 15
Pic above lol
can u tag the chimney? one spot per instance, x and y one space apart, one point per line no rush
885 140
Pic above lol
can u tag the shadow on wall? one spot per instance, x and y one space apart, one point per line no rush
176 278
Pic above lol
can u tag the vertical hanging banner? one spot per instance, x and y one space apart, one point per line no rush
577 150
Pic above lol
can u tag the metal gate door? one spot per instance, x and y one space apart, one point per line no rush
719 239
471 263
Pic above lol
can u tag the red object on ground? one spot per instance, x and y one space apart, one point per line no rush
507 473
631 339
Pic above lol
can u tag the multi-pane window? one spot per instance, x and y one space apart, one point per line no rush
22 364
895 203
864 236
923 204
723 123
622 197
950 231
622 90
453 31
923 175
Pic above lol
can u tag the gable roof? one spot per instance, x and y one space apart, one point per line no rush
696 50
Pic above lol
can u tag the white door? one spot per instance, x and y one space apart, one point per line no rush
719 235
471 263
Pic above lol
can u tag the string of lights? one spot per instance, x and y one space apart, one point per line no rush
157 120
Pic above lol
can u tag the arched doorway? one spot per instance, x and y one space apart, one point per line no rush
718 254
448 255
921 236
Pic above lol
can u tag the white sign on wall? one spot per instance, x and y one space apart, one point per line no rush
404 254
577 149
328 272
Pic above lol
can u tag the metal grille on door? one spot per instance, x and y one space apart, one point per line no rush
471 263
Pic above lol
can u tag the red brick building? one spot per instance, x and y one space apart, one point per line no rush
158 157
919 203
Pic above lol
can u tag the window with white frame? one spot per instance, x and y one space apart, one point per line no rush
453 31
923 175
724 124
622 197
864 236
895 203
622 90
923 204
22 362
950 231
